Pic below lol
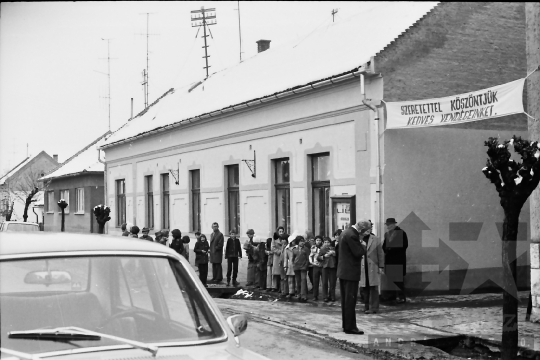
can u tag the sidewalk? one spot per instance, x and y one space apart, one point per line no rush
473 320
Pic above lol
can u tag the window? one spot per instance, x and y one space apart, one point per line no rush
233 197
64 194
120 202
149 183
320 184
51 205
283 194
165 200
195 200
79 200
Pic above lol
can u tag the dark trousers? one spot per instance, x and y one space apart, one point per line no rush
400 294
251 273
317 277
301 283
329 280
217 272
262 277
349 294
203 272
232 266
310 275
284 282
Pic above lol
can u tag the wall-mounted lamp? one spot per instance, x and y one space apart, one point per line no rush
252 164
176 174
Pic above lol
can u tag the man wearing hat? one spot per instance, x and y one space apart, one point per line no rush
249 246
157 234
216 253
145 235
395 246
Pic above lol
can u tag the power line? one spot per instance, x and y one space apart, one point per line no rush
206 18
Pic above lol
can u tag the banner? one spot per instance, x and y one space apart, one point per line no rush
483 104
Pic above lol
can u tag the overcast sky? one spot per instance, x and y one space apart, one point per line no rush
53 61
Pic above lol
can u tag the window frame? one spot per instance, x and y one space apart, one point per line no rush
233 190
317 185
282 186
50 202
149 198
78 209
165 202
120 202
195 222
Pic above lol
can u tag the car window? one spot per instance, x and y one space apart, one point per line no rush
22 227
142 298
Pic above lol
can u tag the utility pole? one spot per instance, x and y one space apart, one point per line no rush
145 83
334 12
239 31
204 18
532 31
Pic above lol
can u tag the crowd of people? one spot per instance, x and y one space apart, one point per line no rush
284 263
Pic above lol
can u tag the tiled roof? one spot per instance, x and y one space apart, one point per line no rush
332 50
84 160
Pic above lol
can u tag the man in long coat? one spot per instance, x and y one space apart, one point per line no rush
351 249
216 253
372 266
395 249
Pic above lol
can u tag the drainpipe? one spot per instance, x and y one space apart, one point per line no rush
104 185
369 104
37 216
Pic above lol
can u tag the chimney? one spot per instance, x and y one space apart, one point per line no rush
55 157
263 45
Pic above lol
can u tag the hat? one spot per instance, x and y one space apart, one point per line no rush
134 229
250 232
145 230
157 233
176 233
293 236
165 232
390 221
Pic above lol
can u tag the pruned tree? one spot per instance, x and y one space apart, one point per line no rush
63 205
25 189
102 213
514 181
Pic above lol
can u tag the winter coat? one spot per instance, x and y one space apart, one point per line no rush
288 259
263 258
330 261
375 260
233 248
249 246
186 240
277 248
301 257
350 255
126 233
178 246
201 258
314 257
395 247
216 247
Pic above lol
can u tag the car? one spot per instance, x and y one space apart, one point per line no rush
18 226
89 296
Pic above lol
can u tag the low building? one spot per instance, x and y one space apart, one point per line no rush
285 139
79 181
18 183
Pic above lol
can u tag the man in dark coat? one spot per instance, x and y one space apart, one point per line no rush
176 243
145 235
351 249
233 252
395 247
216 253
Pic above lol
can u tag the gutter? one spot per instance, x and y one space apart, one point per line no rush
355 73
106 227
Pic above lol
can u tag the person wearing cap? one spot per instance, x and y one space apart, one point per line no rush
395 249
134 231
145 235
164 239
157 235
176 242
216 253
372 266
249 247
351 249
233 252
124 231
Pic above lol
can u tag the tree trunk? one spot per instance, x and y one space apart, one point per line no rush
101 228
510 295
63 218
26 206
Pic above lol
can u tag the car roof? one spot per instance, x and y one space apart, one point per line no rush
31 243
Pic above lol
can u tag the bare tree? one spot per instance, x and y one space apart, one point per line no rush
27 187
514 181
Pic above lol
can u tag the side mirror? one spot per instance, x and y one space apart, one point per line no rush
238 324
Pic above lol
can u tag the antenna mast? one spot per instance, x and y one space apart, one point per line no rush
334 12
204 18
109 77
146 83
239 31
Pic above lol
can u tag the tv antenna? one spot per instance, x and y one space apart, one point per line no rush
204 18
334 12
145 83
239 31
108 76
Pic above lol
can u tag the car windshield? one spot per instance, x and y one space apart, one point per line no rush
22 227
147 299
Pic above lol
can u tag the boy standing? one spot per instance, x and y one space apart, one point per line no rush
145 235
329 267
249 246
233 252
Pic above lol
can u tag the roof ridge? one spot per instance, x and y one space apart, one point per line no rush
16 166
78 153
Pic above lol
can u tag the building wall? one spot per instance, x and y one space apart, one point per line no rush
322 121
432 177
81 222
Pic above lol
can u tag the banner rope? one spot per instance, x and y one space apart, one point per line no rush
530 116
532 72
